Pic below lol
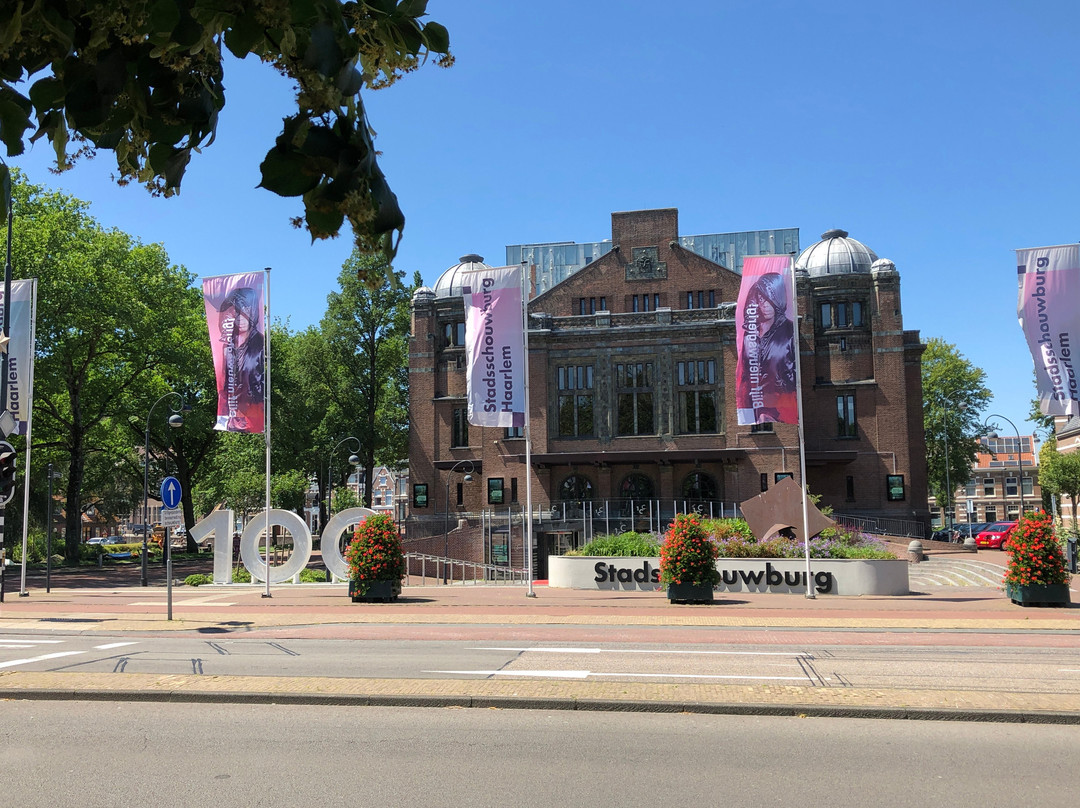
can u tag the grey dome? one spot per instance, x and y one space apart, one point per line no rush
836 254
423 295
449 283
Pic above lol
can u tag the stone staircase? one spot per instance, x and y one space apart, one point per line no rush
950 570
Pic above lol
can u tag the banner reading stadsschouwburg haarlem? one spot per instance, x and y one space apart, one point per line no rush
20 350
494 346
765 387
234 316
1049 288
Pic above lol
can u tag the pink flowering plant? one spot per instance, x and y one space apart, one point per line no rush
375 553
688 554
1035 555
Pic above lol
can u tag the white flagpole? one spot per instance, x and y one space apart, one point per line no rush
528 436
802 439
266 422
29 433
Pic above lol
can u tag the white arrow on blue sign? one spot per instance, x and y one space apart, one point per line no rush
171 492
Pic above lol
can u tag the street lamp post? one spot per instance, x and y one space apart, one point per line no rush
353 459
1019 457
175 421
49 531
467 468
947 518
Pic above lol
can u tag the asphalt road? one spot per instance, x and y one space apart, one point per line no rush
808 664
58 754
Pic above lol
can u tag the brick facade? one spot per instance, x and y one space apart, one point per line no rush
627 316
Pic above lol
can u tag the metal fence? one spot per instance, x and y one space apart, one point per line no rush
882 526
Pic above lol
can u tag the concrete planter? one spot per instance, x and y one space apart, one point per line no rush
1038 594
774 575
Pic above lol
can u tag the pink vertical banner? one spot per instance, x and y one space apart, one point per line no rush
234 317
1049 286
765 389
494 346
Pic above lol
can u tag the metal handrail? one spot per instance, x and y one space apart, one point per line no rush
443 571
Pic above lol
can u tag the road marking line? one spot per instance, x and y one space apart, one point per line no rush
110 645
35 642
651 651
587 674
191 602
41 658
16 646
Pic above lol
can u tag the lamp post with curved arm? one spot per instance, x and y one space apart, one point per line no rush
175 421
353 459
467 468
1019 456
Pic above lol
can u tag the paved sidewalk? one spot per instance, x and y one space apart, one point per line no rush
954 615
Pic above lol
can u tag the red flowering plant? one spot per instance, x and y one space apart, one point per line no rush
688 555
375 553
1035 555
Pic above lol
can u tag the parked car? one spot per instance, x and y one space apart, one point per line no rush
972 529
996 535
945 534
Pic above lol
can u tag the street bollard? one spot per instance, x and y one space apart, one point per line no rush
915 551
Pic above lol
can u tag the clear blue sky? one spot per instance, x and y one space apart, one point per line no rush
941 134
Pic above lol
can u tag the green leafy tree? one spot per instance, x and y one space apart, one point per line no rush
108 311
954 396
344 498
1059 475
361 364
1044 424
144 80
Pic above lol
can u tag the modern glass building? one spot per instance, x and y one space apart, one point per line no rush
556 261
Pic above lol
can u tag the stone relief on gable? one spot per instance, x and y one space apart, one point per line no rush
646 265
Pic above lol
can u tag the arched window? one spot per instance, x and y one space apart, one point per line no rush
636 486
699 486
575 487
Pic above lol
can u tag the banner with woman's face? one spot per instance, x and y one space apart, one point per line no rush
234 317
765 385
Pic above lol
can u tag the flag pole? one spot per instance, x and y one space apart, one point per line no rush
29 432
528 436
266 425
802 437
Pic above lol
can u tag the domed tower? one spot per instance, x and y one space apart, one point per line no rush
449 283
862 372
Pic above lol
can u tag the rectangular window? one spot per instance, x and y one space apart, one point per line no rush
513 432
697 396
760 428
513 490
419 495
460 494
850 488
495 491
689 300
635 303
841 315
783 475
856 313
1012 513
1027 486
991 513
575 401
969 489
894 487
712 299
845 415
1011 487
603 304
826 315
454 334
988 487
634 399
460 432
764 482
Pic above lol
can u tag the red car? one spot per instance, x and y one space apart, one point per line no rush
995 535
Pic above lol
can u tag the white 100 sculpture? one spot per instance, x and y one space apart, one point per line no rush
218 526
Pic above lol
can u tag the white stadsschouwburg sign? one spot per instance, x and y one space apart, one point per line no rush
218 526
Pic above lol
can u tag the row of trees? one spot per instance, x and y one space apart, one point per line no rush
119 326
955 396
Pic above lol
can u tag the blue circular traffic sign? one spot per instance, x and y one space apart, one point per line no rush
171 492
